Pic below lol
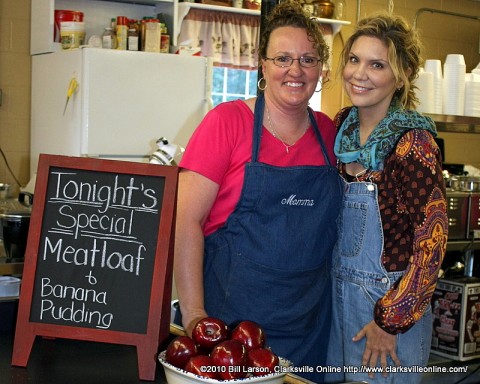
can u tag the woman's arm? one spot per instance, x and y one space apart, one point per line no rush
408 299
196 195
422 194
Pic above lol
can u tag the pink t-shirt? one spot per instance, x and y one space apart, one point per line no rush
222 145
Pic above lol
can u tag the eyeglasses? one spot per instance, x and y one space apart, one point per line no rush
287 61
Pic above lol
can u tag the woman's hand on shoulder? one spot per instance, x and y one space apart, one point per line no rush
379 345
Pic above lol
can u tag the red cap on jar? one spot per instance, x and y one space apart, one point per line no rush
122 20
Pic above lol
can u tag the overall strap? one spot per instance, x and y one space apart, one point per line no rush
319 136
257 126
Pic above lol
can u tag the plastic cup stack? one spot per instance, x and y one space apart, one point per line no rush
472 94
425 93
435 67
454 70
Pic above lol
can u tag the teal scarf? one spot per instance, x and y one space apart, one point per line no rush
382 140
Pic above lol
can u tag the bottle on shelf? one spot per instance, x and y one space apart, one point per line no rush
122 32
109 39
164 40
132 39
340 12
142 32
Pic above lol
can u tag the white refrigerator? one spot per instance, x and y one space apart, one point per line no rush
123 103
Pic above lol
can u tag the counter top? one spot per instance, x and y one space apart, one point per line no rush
61 361
9 268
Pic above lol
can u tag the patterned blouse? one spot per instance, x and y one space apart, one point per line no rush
411 194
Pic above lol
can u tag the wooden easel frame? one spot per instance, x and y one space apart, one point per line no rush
159 309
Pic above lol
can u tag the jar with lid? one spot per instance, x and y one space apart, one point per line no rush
340 9
132 39
109 39
164 40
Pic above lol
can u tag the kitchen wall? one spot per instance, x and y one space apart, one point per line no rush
15 65
441 35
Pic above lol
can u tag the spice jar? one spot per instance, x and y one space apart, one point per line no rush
164 40
132 39
109 40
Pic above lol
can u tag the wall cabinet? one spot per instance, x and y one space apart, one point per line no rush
97 15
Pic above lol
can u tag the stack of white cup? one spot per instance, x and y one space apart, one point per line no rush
472 94
425 93
476 70
454 70
435 67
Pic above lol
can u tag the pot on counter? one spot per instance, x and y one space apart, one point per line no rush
14 233
14 225
469 183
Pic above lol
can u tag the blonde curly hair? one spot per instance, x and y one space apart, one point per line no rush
404 51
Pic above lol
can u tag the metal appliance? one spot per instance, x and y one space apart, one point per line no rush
458 212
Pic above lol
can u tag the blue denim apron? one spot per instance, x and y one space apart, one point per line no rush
270 262
360 279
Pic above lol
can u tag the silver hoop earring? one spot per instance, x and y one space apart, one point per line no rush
321 86
259 83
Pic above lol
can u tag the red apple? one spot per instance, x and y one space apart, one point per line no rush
209 332
230 357
262 361
249 334
202 365
180 350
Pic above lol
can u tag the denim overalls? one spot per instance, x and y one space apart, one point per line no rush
360 279
271 261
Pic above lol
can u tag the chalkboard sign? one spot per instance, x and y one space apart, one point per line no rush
98 264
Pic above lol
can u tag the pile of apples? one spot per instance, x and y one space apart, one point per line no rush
217 352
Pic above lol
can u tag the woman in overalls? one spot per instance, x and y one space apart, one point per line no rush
258 198
393 226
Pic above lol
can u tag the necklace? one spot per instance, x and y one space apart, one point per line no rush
278 137
357 175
